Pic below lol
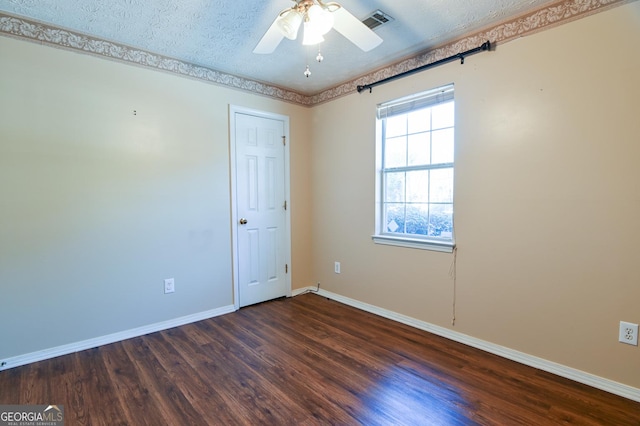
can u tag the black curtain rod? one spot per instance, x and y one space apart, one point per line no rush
485 46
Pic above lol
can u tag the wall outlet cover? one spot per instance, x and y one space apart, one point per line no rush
169 286
628 333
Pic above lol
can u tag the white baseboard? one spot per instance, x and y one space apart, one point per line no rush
521 357
19 360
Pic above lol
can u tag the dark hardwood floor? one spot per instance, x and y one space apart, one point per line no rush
304 361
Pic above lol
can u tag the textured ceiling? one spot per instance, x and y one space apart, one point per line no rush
221 35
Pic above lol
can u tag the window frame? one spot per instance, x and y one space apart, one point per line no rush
406 105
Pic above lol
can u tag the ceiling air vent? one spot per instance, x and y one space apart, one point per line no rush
376 19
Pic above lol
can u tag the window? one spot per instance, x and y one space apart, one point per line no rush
415 162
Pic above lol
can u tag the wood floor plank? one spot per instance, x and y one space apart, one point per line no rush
252 399
196 387
101 404
397 399
345 375
305 361
36 381
285 369
172 403
132 391
10 383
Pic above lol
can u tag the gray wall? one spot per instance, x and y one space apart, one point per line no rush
98 205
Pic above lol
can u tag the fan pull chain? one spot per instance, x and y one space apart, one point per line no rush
319 59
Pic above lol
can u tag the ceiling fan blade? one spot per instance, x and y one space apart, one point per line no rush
357 32
270 40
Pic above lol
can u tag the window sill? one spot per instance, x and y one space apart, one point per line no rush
446 247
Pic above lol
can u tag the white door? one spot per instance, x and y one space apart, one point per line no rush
260 214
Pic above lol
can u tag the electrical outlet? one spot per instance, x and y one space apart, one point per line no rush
169 285
336 267
628 333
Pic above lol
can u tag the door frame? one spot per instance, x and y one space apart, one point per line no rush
233 110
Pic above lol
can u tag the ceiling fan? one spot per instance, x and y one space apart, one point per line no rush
317 19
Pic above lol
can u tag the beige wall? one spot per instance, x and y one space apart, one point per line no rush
547 198
98 206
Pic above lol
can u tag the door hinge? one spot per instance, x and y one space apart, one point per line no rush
285 204
286 268
284 140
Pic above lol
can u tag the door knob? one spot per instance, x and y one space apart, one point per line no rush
243 221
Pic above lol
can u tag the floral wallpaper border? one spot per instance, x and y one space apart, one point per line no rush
551 15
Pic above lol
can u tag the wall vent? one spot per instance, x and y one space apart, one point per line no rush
377 18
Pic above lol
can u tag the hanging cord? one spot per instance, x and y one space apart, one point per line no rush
452 275
311 290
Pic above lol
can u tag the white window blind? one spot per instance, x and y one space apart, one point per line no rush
415 102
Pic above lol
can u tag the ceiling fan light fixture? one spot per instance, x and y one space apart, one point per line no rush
311 35
320 18
289 24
